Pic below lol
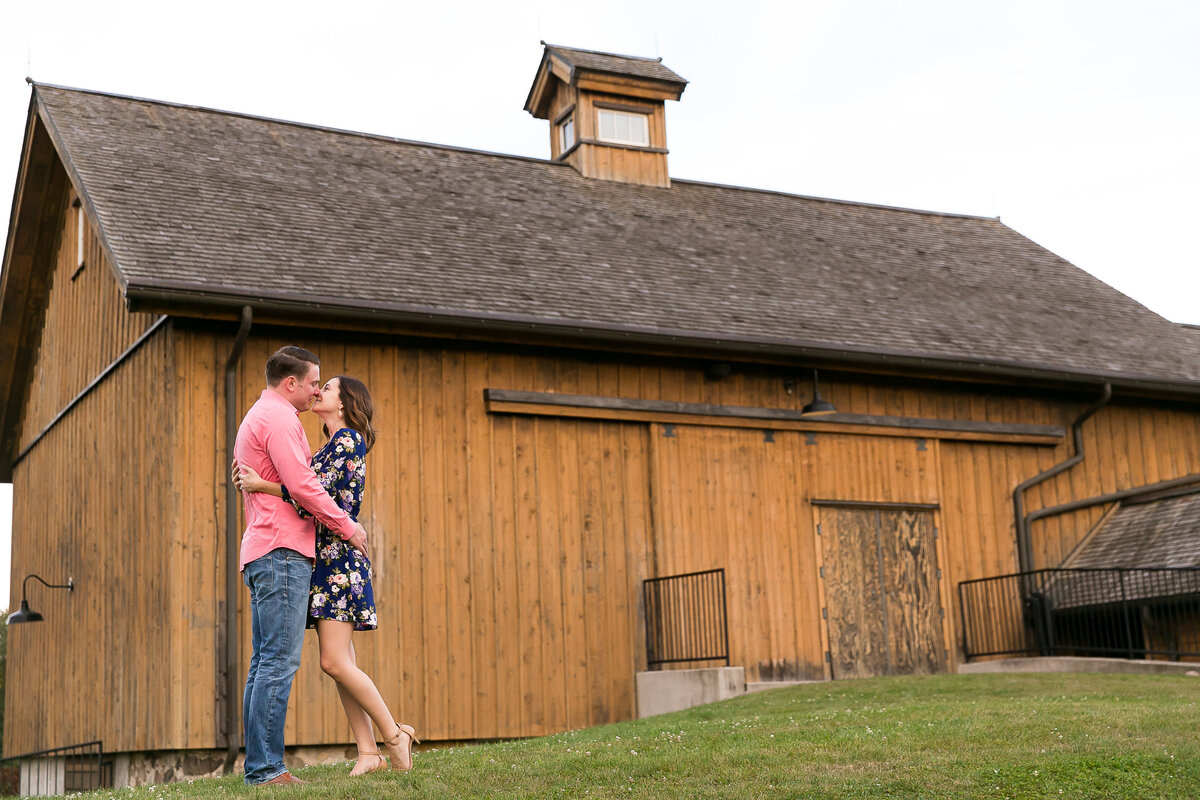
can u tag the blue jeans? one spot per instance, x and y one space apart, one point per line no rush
278 584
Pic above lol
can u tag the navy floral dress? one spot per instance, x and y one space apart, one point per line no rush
341 579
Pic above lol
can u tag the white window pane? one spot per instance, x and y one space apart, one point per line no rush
639 130
617 126
623 127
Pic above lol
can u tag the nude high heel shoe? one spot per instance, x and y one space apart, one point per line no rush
401 753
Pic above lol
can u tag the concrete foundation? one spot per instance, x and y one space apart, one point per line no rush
661 692
765 685
1074 664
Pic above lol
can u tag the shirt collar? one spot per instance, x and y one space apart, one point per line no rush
272 396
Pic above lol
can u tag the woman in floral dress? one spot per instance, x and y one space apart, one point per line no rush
341 600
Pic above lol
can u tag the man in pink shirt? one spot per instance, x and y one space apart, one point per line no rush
278 548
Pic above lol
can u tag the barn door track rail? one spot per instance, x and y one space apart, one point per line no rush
553 404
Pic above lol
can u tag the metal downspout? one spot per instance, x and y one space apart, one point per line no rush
233 539
1024 540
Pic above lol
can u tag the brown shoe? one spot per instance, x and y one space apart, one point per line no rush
283 779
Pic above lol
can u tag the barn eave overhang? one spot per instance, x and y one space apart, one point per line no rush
190 301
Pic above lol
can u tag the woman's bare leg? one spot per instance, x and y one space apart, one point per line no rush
338 662
360 722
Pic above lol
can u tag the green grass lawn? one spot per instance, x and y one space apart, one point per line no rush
969 736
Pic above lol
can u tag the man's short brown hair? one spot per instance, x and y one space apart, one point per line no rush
290 362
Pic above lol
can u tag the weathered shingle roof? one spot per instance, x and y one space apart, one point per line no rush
1164 533
214 204
1136 554
616 64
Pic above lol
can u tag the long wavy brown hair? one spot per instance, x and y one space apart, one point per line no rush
357 408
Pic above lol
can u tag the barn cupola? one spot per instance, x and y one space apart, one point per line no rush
606 112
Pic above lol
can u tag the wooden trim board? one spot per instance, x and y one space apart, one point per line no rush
551 404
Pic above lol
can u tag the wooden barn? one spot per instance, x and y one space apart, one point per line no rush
588 375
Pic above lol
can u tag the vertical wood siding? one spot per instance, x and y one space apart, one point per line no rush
85 328
509 550
605 162
730 498
726 498
93 501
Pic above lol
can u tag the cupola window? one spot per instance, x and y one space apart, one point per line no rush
607 113
568 134
624 128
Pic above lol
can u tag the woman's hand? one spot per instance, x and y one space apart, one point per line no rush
246 479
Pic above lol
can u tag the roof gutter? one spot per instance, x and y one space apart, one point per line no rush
1024 539
233 539
181 299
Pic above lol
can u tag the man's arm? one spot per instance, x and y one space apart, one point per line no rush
285 446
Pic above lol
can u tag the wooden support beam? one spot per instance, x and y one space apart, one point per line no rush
504 401
816 501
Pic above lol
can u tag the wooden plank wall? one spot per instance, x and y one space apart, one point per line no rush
88 503
611 163
494 638
618 163
86 326
92 501
510 550
197 710
1126 446
623 164
738 499
728 498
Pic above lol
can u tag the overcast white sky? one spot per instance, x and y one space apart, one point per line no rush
1076 123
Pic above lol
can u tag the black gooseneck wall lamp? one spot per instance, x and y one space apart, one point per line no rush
25 613
818 407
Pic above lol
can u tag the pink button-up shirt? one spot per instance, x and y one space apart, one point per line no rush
271 441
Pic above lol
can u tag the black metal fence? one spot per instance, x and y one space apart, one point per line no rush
685 618
1117 612
62 770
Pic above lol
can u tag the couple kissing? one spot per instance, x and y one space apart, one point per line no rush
305 560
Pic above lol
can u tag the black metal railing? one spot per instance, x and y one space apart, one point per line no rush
1114 612
61 770
685 618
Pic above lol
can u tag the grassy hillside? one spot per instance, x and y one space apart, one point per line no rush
970 736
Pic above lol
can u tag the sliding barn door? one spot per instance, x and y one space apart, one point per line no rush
881 591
